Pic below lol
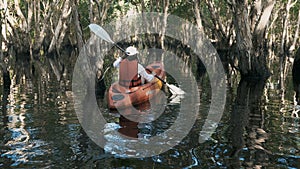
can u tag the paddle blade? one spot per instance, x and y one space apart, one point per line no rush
100 32
175 90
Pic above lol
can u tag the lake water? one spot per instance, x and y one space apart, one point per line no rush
39 128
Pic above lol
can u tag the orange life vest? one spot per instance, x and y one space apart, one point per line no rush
129 73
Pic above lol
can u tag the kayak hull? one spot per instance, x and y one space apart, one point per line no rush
121 97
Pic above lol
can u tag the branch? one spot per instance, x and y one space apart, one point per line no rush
61 27
216 18
21 15
48 9
291 5
264 19
255 14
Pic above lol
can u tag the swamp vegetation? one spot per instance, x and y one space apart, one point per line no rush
258 44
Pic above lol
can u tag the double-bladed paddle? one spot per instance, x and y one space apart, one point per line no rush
101 33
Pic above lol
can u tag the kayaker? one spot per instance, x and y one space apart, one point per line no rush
131 59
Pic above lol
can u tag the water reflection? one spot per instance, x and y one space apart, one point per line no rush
261 133
36 106
39 128
247 124
18 137
137 124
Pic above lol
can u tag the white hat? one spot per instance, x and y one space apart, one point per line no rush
131 51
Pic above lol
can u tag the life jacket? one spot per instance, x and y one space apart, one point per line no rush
128 73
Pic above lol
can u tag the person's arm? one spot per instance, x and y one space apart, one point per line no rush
142 71
117 62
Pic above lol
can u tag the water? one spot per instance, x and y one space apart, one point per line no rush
40 129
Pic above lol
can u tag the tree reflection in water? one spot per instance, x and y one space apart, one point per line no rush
50 134
247 123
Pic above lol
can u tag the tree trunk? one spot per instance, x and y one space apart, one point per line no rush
41 31
79 35
292 48
251 59
163 31
243 37
24 25
1 33
91 14
61 27
197 15
284 45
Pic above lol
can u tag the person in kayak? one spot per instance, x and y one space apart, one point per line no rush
130 69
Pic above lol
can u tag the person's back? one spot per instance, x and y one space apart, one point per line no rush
128 73
130 69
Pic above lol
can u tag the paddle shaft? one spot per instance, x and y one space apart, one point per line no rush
160 79
173 89
119 47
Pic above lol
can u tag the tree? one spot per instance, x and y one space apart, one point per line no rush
251 43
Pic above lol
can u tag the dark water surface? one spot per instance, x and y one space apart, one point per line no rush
39 129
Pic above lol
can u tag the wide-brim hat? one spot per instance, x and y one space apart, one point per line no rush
130 51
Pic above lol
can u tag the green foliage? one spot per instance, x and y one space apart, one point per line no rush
83 11
182 9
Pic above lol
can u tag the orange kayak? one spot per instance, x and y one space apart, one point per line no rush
122 97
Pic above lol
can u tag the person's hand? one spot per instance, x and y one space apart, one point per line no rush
117 62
